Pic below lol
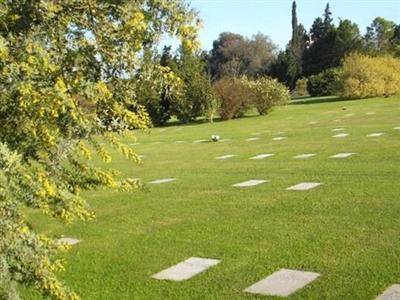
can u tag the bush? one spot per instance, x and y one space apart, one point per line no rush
233 97
266 92
365 76
301 88
325 83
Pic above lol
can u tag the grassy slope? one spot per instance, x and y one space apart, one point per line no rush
347 230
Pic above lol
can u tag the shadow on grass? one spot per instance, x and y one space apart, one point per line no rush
315 100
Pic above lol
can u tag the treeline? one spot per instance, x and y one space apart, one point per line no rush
187 90
327 59
325 45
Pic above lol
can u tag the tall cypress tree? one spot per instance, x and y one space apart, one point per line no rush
296 47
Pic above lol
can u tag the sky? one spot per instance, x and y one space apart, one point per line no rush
273 17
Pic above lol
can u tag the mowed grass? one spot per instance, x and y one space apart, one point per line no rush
347 229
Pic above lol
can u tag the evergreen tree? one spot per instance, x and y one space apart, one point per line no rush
328 20
321 53
347 40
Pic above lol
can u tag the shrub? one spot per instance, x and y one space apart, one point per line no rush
233 97
325 83
266 92
365 76
301 88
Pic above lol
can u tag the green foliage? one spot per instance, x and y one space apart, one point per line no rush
265 92
68 75
347 39
325 83
301 88
158 86
366 76
379 36
296 49
197 97
233 96
279 68
233 55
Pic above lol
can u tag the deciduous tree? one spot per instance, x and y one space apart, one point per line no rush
68 75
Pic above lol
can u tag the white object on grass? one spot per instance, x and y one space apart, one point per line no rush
186 269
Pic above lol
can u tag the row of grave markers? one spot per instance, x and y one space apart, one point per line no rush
302 186
277 138
301 156
281 283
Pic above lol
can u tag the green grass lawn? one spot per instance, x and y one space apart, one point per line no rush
347 229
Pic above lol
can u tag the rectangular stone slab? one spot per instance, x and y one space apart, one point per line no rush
249 183
279 138
338 129
262 156
164 180
375 134
252 139
225 156
68 241
186 269
304 186
282 283
342 155
341 135
391 293
199 141
304 156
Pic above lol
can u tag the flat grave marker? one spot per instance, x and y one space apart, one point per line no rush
282 283
279 138
180 142
338 129
342 155
304 156
225 156
68 240
199 141
375 134
252 139
249 183
391 293
304 186
262 156
186 269
341 135
163 180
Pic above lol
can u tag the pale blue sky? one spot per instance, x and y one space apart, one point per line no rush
273 17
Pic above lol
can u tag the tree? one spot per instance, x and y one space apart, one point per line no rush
379 35
281 68
68 75
347 40
235 55
320 54
196 98
395 40
296 48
